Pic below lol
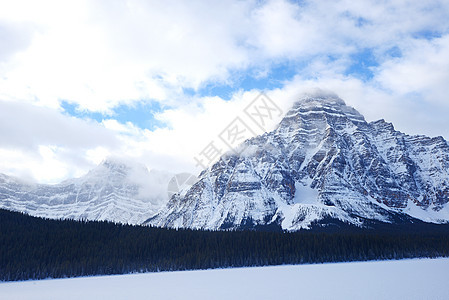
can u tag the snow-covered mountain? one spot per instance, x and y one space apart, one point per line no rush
323 162
116 190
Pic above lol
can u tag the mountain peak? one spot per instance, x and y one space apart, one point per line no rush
120 164
323 98
324 103
323 162
320 111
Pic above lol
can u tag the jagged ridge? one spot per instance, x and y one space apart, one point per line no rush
324 161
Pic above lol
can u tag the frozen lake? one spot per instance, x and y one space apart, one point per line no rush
405 279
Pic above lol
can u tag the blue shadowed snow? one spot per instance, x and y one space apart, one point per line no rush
356 280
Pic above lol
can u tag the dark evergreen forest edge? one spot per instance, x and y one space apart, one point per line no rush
36 248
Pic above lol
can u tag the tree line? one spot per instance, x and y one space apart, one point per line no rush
37 248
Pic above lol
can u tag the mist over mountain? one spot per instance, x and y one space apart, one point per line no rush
116 190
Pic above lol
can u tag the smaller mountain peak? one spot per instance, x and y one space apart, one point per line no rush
119 164
115 161
112 162
116 169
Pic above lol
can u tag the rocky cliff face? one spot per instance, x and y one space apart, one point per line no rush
116 190
323 162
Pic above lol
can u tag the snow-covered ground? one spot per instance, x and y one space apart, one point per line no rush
406 279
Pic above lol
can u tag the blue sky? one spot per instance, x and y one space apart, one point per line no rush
156 81
141 114
249 79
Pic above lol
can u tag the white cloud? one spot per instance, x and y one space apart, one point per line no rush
423 69
101 54
191 127
42 143
27 126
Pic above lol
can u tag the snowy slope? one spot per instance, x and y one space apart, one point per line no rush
323 162
361 280
116 190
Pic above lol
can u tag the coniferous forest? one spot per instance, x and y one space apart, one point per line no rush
36 248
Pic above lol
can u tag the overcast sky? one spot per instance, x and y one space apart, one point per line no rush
157 81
